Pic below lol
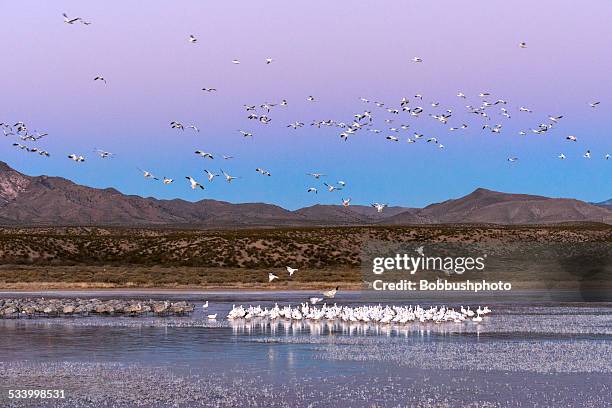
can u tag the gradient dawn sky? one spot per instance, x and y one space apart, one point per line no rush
337 51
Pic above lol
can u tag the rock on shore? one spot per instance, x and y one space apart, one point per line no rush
41 307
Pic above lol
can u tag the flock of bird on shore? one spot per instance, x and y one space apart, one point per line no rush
491 112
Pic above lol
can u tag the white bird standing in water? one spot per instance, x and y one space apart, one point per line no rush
331 293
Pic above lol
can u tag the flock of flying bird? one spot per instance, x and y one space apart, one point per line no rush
489 111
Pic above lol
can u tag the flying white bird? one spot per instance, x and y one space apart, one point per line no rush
310 98
523 44
210 175
312 190
561 156
417 59
379 207
177 125
291 270
69 20
148 174
587 154
209 89
269 60
228 178
295 125
572 138
245 133
192 39
100 78
316 175
235 61
315 300
167 180
103 153
76 158
271 277
204 154
346 202
392 138
263 172
420 250
594 104
332 188
512 159
194 183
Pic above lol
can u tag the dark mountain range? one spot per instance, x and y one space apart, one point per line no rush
55 201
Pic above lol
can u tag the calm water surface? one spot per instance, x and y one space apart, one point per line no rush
532 352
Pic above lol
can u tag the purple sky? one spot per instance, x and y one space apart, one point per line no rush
336 51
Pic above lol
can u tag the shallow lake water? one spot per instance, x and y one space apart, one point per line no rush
532 352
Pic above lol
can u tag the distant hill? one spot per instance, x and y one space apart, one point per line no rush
486 206
55 201
607 204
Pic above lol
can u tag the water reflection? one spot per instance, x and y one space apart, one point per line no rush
282 327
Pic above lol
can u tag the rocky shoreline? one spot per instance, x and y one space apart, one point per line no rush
41 307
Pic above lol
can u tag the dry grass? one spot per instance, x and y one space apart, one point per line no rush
24 277
125 257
